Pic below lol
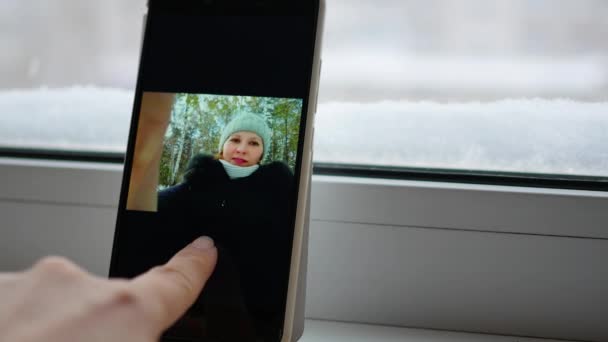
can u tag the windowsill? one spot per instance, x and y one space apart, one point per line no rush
328 331
389 252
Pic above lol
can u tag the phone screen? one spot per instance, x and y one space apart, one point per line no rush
215 149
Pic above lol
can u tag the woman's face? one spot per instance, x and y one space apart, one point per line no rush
243 149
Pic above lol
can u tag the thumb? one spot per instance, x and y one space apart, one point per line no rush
169 290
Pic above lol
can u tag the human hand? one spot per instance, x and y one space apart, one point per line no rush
56 300
154 117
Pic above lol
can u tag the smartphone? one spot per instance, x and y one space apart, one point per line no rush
221 145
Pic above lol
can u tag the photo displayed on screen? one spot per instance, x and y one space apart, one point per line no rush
223 166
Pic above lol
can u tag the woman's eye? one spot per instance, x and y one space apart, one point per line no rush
255 143
235 140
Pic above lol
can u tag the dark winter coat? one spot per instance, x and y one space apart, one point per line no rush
249 220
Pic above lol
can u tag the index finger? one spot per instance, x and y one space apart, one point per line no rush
156 107
169 290
154 117
155 113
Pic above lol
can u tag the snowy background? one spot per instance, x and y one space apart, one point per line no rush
506 85
527 135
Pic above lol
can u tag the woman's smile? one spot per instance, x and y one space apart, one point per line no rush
239 161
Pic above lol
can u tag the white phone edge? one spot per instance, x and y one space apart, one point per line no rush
293 326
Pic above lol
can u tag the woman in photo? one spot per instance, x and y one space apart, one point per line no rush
236 197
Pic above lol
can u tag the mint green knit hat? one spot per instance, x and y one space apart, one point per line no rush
251 123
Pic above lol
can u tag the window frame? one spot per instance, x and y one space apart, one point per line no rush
406 238
516 179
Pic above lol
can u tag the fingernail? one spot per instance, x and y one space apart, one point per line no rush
203 242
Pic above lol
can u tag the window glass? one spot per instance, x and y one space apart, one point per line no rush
508 85
68 72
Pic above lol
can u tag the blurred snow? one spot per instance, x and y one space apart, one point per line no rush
76 118
513 85
558 136
523 135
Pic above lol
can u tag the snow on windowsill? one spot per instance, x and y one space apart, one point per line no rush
558 136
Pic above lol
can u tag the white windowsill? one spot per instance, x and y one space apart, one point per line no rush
480 258
327 331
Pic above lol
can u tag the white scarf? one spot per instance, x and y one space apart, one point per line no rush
235 171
